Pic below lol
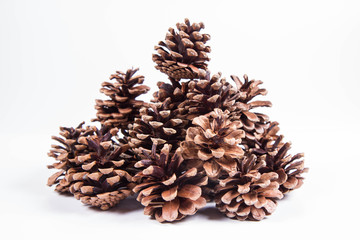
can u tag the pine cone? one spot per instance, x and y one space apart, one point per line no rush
174 94
215 92
275 152
207 94
183 55
67 154
214 140
254 123
167 191
122 107
101 180
156 125
248 194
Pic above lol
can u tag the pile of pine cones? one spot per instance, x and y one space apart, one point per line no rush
200 139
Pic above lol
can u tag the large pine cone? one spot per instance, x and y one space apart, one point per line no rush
167 191
183 55
156 125
214 141
248 194
122 107
67 154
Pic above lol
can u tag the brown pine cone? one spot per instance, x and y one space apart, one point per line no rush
99 177
289 168
254 123
156 125
167 191
275 152
248 194
183 55
214 143
207 94
122 107
174 94
67 154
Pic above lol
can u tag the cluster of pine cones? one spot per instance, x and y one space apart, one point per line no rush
200 139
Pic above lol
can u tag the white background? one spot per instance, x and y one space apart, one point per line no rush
55 54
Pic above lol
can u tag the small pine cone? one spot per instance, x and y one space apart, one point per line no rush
214 142
156 125
67 154
183 55
122 107
102 179
248 194
167 191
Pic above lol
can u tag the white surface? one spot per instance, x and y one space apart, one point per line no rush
55 54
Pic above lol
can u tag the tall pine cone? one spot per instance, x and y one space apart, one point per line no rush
248 194
168 191
156 125
122 107
183 55
67 154
214 141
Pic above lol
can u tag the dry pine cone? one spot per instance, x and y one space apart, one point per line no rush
248 194
67 154
122 107
156 125
215 141
183 55
167 191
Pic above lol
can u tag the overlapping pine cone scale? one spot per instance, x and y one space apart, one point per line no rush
167 191
248 194
157 125
67 154
183 54
122 107
213 143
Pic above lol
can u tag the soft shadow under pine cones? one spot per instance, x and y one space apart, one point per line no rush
202 138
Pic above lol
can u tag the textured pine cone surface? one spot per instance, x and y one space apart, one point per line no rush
156 125
67 155
200 139
248 194
122 107
183 54
99 177
275 152
215 142
168 191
